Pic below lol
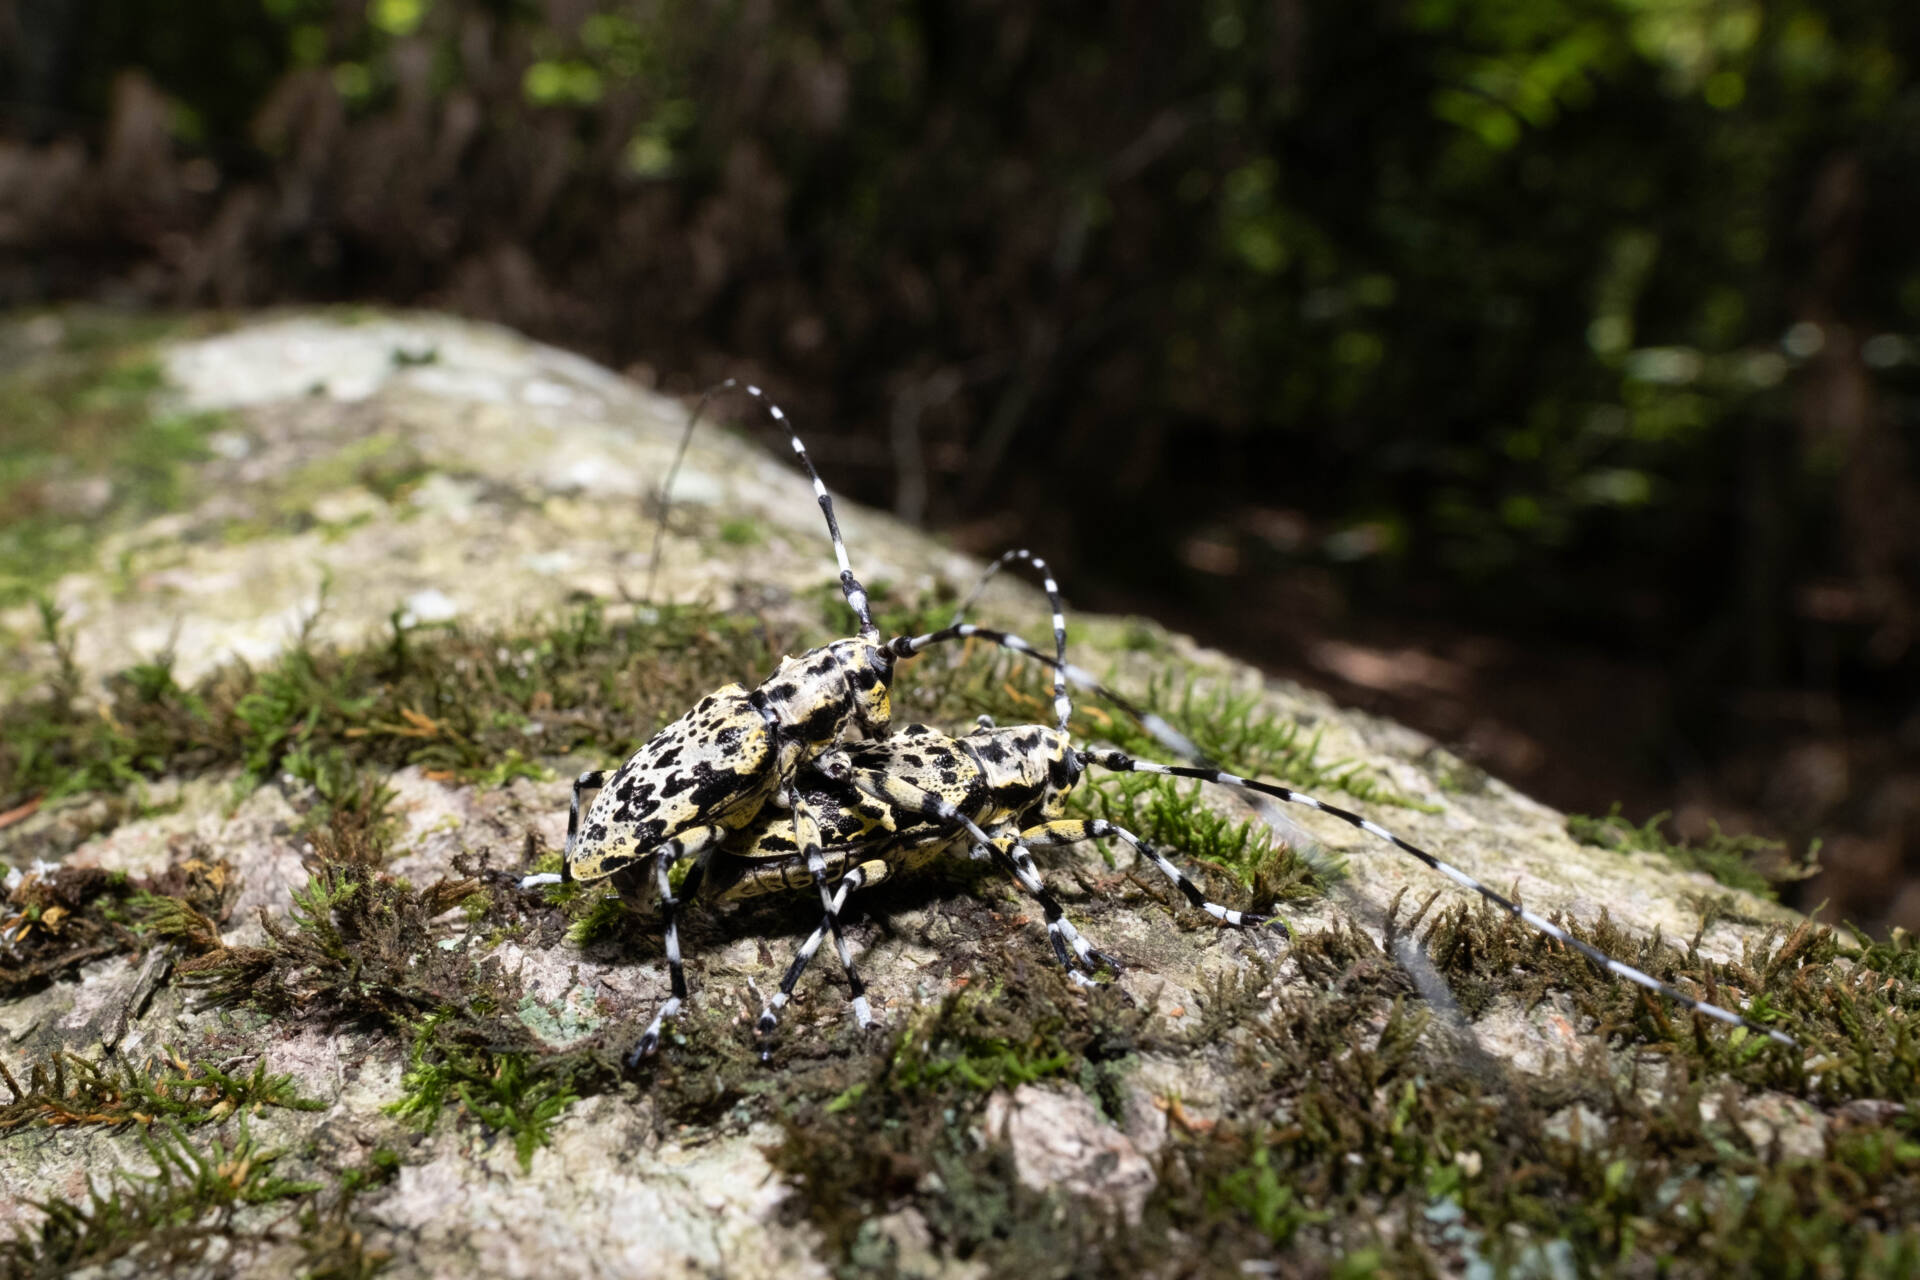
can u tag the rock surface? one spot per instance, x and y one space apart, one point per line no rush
452 471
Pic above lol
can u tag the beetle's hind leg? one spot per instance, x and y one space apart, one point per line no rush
1075 831
592 780
1076 955
1079 957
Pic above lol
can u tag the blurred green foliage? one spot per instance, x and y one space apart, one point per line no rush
1495 303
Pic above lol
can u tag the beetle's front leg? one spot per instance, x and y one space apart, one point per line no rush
691 844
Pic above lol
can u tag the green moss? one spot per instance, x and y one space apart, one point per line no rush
1174 815
510 766
450 700
332 1241
1339 1130
54 746
1230 998
1345 1107
1270 1205
1452 774
510 1093
1004 1037
708 1075
595 914
1342 1104
741 533
1898 957
1138 636
1235 731
386 465
159 1221
66 1089
1753 863
1240 733
903 1119
362 948
402 358
356 946
333 1246
1484 955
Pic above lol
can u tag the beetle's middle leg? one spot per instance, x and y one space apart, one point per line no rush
1079 957
862 876
806 837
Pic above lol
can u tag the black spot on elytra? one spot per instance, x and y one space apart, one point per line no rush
615 864
781 692
717 788
647 832
993 753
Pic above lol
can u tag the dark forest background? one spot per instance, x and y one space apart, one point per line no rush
1542 372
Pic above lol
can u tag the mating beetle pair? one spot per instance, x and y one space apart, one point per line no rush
706 779
802 782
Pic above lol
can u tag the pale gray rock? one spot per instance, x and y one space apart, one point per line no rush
520 475
1061 1141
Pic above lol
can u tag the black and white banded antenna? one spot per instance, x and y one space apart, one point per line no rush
1158 727
850 586
1120 762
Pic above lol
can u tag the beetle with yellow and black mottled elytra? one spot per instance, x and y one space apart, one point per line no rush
1000 792
711 772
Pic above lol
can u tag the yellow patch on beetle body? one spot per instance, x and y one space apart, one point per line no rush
993 776
721 762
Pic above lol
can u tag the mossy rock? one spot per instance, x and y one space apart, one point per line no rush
286 898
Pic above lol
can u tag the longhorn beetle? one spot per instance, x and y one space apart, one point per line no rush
710 773
998 792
